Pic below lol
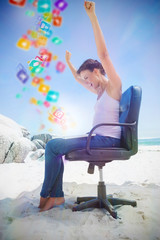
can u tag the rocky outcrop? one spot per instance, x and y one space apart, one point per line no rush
15 142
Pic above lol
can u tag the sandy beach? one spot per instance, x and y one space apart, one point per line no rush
137 179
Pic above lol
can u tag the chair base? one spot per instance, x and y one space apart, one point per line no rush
102 201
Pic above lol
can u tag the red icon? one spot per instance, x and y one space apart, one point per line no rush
19 3
46 56
56 12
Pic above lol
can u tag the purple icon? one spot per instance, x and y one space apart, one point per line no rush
22 76
61 4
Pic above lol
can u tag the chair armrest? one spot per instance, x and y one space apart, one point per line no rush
131 125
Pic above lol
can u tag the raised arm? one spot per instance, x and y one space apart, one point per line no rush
76 75
102 51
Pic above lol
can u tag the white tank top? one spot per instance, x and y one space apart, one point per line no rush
107 111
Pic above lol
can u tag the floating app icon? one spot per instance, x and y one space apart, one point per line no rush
22 74
57 40
35 81
61 4
44 6
43 88
29 13
60 66
33 101
47 16
46 104
48 78
34 34
45 26
24 44
20 3
58 114
52 96
47 56
35 3
18 95
57 21
34 63
42 41
37 70
56 12
48 34
39 102
55 57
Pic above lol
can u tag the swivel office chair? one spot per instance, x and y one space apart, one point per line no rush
128 120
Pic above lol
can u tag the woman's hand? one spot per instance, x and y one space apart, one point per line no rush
90 8
68 56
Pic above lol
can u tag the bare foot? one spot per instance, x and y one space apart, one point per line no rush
52 202
42 202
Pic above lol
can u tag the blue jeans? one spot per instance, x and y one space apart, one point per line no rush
54 166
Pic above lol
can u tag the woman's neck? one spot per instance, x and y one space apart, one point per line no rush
102 87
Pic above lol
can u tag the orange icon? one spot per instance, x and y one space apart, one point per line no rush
43 88
42 41
24 44
57 21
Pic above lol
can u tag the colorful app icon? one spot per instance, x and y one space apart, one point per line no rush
34 63
20 3
58 114
48 34
37 70
29 13
34 34
42 41
24 44
60 66
44 6
45 26
39 102
46 104
22 75
33 101
52 96
55 57
35 3
57 40
35 81
61 4
57 21
43 88
47 56
56 12
47 16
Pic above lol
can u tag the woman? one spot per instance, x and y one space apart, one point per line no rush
91 75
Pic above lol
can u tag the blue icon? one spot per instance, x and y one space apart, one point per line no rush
44 6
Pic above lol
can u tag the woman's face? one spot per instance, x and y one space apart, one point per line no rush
91 78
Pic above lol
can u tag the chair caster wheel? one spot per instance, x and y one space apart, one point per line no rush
74 209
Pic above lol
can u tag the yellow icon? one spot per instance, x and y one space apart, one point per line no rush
42 41
34 34
24 44
33 101
55 57
47 16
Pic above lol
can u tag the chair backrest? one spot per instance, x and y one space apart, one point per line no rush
129 113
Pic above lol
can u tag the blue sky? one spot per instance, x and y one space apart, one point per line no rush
132 33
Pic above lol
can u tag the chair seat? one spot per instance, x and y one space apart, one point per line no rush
100 154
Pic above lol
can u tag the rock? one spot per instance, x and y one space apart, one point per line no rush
14 141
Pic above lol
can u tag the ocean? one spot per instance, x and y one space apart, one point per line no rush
149 142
